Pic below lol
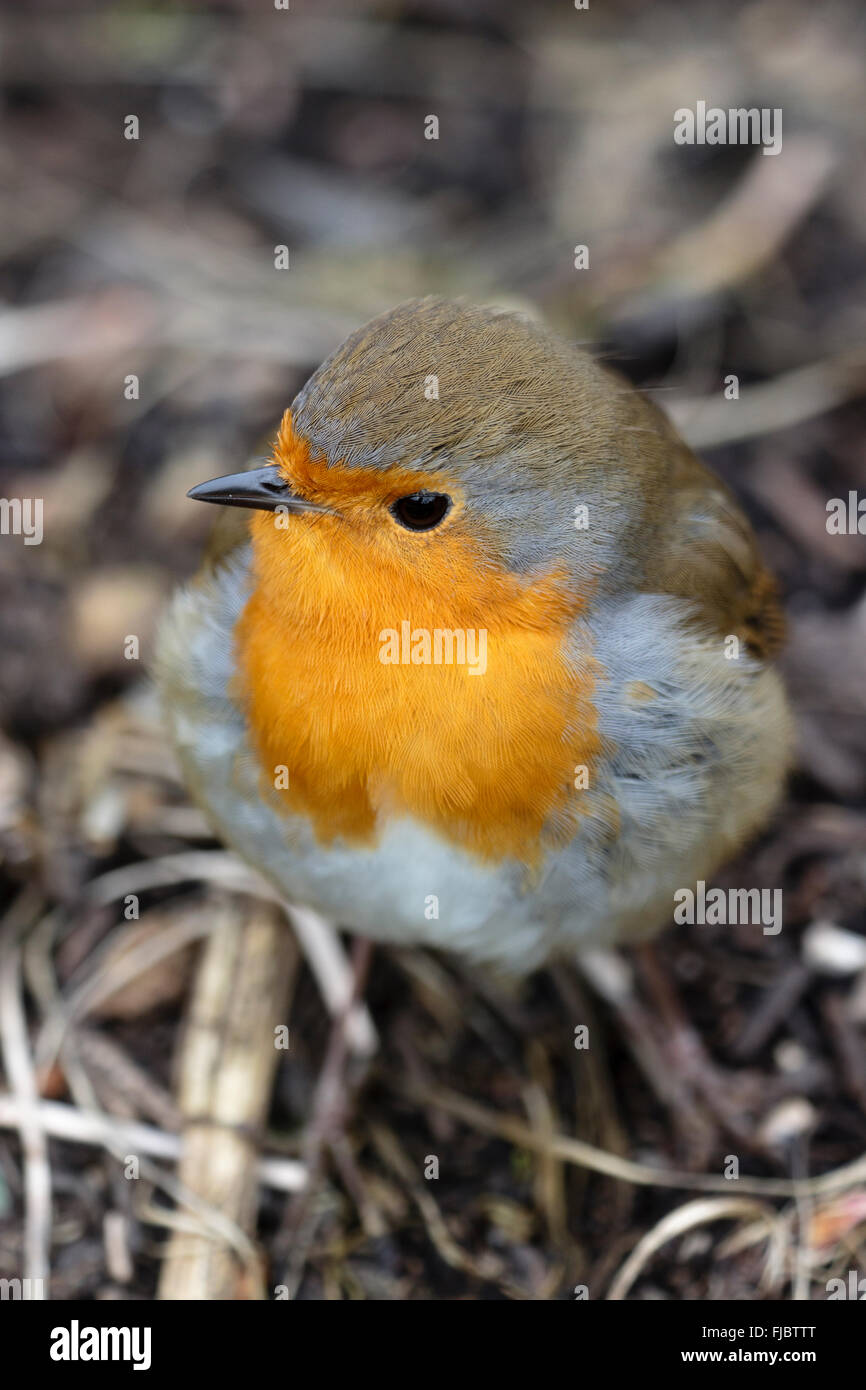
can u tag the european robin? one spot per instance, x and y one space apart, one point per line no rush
489 667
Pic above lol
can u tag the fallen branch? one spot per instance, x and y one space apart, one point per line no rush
229 1056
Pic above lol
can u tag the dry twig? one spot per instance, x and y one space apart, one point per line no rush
226 1068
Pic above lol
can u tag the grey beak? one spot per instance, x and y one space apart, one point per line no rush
263 489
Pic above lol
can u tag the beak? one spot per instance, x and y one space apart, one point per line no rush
264 489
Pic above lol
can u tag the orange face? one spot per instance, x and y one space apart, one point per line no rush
370 718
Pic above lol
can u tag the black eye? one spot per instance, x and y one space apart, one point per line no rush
421 511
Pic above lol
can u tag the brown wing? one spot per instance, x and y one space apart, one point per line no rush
712 556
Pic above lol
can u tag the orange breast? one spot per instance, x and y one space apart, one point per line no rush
486 759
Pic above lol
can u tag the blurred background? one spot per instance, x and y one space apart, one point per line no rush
154 258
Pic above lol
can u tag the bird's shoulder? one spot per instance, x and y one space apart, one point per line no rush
708 554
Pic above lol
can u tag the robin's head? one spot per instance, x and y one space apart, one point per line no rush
443 443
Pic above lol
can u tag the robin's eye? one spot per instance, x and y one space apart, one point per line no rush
421 511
